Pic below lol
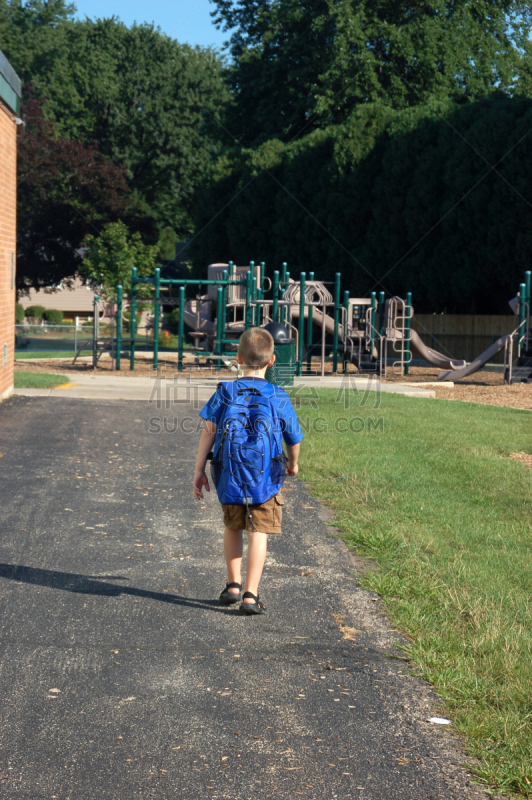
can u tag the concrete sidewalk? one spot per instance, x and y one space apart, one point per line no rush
123 679
188 388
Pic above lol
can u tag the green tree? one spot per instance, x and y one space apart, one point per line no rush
19 314
65 189
110 257
435 200
149 102
280 48
33 35
300 65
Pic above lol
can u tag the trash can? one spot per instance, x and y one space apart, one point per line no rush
283 369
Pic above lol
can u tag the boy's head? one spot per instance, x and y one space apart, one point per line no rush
256 348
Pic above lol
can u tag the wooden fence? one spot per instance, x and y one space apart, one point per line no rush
463 335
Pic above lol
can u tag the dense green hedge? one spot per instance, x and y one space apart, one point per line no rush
435 200
53 316
35 312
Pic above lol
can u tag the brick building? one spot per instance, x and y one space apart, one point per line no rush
9 116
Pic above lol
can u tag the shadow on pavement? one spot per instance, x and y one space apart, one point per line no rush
85 584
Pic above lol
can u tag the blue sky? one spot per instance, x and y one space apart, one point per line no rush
185 20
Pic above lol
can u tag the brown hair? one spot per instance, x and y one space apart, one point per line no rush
256 348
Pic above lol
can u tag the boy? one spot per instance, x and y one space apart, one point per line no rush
255 354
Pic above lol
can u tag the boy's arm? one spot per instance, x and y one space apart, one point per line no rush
205 445
292 451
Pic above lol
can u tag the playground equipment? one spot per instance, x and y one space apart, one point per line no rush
98 345
519 340
366 332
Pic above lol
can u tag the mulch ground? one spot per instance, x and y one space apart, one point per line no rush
481 387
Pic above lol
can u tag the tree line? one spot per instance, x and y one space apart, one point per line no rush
388 141
118 127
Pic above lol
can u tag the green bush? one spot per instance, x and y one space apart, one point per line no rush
171 320
126 316
19 314
53 316
166 340
35 312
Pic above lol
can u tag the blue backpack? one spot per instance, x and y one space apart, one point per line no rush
247 463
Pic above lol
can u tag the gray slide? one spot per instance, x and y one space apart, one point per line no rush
478 362
432 356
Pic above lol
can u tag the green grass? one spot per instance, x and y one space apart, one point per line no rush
47 354
38 380
446 515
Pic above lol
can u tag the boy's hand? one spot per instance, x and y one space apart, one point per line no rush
200 480
292 470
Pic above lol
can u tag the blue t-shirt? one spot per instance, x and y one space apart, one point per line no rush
289 423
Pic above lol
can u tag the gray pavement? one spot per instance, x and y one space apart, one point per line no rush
122 676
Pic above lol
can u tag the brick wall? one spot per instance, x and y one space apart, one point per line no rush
8 188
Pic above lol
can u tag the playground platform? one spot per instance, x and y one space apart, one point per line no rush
123 679
114 387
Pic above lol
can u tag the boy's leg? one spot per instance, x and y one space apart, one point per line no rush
233 557
256 556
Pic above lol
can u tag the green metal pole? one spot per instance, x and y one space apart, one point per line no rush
181 327
528 276
254 300
133 312
372 321
118 325
382 300
346 317
275 290
301 338
309 330
225 290
95 323
219 324
337 279
285 314
407 329
283 287
253 293
522 314
247 322
187 282
156 319
261 280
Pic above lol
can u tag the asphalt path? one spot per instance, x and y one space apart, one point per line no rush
122 677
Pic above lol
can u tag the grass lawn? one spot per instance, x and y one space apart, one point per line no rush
46 354
38 380
426 489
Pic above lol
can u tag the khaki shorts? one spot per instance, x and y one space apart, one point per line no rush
266 516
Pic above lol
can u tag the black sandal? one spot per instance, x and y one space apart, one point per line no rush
227 597
252 608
